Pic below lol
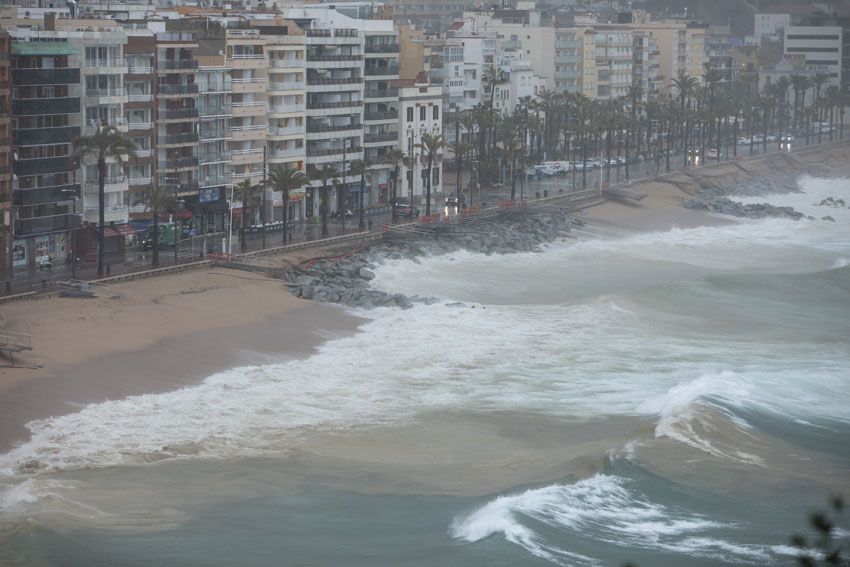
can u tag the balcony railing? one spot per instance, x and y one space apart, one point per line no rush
293 86
139 125
39 136
316 152
215 87
139 181
251 151
380 137
247 174
285 153
106 62
101 93
286 63
60 76
41 225
381 93
248 127
247 104
40 106
140 97
330 58
213 180
181 162
216 157
214 111
144 153
173 64
292 130
388 70
42 166
179 113
215 134
340 104
177 89
238 56
186 138
111 213
145 69
116 180
286 108
333 81
381 115
319 128
257 80
382 48
43 195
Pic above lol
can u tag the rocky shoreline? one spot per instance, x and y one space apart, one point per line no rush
346 280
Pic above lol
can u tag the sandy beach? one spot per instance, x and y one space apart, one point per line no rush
150 336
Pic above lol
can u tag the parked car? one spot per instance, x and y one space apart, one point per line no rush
338 214
712 153
404 210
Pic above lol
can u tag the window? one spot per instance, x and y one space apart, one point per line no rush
436 176
422 113
410 114
436 112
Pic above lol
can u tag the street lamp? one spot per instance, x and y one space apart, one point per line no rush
74 233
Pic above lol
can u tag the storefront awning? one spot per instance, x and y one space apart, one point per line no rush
116 230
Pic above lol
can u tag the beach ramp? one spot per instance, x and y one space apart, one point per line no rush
12 342
624 193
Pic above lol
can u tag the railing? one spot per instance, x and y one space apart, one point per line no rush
140 97
216 134
166 37
187 138
214 157
214 111
248 127
319 128
42 195
179 113
139 126
382 48
111 213
381 93
181 162
39 76
238 56
213 180
340 104
177 89
39 225
139 70
106 62
38 106
293 130
144 153
136 181
215 87
331 81
332 151
285 153
286 63
247 174
287 108
248 81
100 93
293 86
115 180
330 58
249 104
381 115
380 137
250 151
388 70
178 64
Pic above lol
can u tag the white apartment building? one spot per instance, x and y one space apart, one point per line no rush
214 114
770 26
420 111
522 82
820 45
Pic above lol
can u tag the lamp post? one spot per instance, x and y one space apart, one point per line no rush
75 224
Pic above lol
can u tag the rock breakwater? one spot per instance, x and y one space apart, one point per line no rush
346 279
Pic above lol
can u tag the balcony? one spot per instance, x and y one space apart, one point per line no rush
22 77
110 184
376 115
183 139
287 108
286 153
216 157
43 225
248 56
215 87
187 162
139 181
256 84
240 175
291 86
210 111
241 157
389 70
179 114
316 152
313 128
253 108
314 81
44 195
111 213
215 180
177 90
339 104
289 131
42 166
391 92
178 64
39 106
292 63
103 64
380 137
101 95
144 69
331 58
40 136
382 48
215 134
139 126
140 97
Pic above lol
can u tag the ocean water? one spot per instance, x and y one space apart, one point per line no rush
670 398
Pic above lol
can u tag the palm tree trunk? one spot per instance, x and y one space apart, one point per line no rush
243 242
285 195
362 224
101 212
155 237
324 205
395 194
428 188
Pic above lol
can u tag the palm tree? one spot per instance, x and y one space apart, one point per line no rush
493 76
430 146
361 167
394 158
158 199
634 94
107 143
245 192
460 151
819 80
325 174
285 178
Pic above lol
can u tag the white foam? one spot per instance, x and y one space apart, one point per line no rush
600 508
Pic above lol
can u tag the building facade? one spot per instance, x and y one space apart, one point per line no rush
420 107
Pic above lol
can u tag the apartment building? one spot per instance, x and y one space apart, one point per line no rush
5 154
420 106
568 60
821 46
139 111
176 115
46 117
287 120
681 45
210 212
434 15
646 66
613 59
380 105
521 82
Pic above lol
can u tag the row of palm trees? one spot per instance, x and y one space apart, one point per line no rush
687 119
